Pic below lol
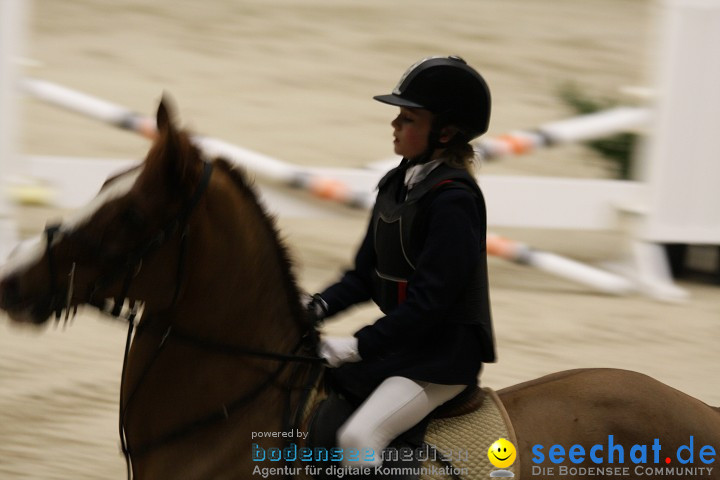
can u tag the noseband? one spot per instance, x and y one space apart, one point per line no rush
55 305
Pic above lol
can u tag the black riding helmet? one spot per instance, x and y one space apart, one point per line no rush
449 88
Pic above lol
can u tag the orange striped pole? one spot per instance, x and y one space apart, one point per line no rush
575 129
557 265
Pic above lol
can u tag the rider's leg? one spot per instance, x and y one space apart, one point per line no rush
395 406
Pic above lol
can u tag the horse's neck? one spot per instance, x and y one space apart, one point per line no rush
236 292
241 288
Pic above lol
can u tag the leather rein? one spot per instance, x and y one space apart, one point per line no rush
115 308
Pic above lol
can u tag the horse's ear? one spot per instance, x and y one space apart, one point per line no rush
165 113
169 159
172 160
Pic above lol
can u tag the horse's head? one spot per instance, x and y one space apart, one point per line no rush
100 252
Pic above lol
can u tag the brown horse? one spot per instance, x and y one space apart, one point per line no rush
223 350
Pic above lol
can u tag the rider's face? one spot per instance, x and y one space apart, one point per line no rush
410 129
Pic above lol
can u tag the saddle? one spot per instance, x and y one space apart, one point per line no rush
332 412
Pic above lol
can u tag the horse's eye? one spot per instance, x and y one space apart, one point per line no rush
82 244
122 235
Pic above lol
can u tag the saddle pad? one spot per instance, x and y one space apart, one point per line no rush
465 440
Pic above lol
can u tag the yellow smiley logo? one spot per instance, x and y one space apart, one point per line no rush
502 453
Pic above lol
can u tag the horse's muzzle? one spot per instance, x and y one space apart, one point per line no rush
21 308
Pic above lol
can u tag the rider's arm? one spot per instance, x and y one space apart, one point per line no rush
356 284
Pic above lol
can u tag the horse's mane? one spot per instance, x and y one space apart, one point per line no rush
248 189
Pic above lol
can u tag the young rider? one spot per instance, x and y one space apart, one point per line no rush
423 261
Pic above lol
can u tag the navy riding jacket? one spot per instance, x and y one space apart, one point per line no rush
423 335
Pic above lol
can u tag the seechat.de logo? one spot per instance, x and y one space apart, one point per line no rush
613 458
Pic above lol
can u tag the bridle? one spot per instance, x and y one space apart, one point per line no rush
127 271
131 264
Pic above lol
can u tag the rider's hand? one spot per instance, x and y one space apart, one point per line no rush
339 350
316 308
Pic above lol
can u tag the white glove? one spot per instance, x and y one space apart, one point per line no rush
339 350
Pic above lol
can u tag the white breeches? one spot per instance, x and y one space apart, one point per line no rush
395 406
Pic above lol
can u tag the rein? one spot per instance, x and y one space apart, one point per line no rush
236 350
134 263
226 410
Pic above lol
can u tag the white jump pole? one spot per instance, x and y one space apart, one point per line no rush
12 25
587 126
577 129
262 165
